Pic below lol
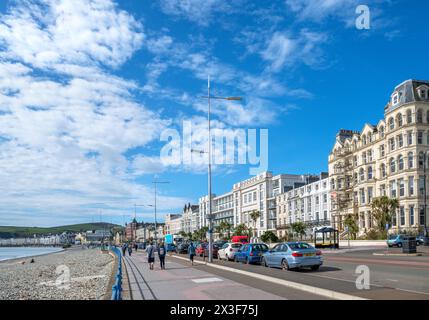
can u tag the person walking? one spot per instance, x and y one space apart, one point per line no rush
150 249
130 250
161 254
191 252
124 249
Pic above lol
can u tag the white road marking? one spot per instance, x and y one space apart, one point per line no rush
207 280
392 280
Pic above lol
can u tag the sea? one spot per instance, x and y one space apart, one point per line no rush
7 253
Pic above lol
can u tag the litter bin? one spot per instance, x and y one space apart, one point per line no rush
409 245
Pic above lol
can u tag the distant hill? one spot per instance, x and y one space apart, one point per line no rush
7 232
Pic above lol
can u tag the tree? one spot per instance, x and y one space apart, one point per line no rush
241 230
382 209
254 215
183 234
299 228
352 224
202 233
269 236
225 227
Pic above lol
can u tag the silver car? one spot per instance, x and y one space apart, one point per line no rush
293 255
228 250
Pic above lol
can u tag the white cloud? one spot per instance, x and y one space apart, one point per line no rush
65 120
318 10
283 50
200 12
47 32
279 51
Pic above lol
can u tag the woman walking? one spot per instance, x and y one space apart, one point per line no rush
161 254
150 249
130 250
191 252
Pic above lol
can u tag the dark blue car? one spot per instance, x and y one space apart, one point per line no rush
251 253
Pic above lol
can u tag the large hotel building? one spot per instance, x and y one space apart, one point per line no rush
384 159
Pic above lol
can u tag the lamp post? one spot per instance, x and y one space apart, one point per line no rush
426 239
210 218
156 182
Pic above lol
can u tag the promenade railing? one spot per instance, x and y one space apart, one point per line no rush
117 287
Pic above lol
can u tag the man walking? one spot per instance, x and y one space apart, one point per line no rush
150 249
161 254
191 252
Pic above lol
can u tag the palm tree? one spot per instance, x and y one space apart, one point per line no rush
351 223
224 227
241 230
299 228
382 209
254 215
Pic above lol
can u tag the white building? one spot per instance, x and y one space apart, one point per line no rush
310 203
190 218
173 223
255 194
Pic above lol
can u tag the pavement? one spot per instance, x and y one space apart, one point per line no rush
181 281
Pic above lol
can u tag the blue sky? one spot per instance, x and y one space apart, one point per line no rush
87 88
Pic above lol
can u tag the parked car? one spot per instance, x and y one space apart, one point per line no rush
228 250
182 248
293 255
170 247
395 240
250 253
215 250
220 243
420 240
199 250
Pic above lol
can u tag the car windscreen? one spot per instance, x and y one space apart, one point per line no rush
299 245
392 236
236 245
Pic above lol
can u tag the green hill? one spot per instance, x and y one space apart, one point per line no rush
22 232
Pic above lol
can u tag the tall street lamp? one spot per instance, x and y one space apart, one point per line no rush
210 218
426 239
156 182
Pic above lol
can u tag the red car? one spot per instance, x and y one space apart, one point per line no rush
199 250
214 251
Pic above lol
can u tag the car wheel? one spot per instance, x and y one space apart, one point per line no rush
390 246
264 262
315 268
285 265
399 245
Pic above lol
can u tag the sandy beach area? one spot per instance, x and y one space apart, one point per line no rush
72 274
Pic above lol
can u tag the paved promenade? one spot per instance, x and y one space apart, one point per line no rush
181 281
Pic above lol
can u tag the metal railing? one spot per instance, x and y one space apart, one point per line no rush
117 287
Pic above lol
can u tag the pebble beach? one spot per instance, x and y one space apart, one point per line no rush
73 274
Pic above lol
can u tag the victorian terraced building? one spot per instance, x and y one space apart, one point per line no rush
385 159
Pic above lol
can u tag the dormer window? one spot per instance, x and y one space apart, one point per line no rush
395 99
423 93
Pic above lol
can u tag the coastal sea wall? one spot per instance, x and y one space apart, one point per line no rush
73 274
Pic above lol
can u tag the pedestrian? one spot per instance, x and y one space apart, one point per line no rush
136 247
130 250
161 254
191 252
150 249
124 249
